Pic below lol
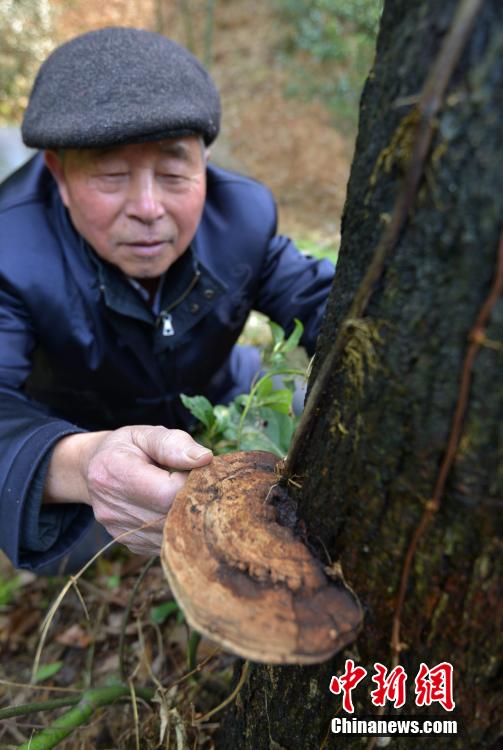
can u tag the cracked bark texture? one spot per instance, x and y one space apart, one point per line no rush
372 460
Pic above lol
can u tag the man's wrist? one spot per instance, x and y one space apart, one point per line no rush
66 479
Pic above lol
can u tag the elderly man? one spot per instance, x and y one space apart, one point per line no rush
128 267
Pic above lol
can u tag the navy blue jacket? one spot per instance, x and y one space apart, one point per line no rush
80 349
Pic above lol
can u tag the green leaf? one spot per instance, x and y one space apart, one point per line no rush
280 400
113 581
264 387
254 439
278 334
161 613
48 670
261 419
294 338
200 407
240 401
279 428
222 419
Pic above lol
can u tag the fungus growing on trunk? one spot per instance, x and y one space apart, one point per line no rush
241 573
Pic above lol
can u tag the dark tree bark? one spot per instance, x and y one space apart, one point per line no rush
372 460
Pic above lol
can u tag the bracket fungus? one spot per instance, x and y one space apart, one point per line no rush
241 573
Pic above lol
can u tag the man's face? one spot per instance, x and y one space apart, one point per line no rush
139 205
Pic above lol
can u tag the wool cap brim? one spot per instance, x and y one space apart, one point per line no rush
116 86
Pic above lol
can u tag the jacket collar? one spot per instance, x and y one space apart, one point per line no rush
188 291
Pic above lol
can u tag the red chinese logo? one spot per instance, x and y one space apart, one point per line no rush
435 686
346 683
389 687
432 685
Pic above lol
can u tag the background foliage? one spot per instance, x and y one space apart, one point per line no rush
329 46
26 39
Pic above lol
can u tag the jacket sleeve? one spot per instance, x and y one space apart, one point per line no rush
292 286
31 535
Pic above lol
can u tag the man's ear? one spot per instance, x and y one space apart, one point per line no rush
207 154
54 164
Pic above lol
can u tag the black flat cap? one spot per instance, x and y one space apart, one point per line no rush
120 85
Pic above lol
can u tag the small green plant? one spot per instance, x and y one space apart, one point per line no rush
161 612
262 419
46 671
8 589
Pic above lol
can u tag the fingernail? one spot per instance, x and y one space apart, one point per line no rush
197 452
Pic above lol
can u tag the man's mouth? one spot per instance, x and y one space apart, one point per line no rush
146 243
147 247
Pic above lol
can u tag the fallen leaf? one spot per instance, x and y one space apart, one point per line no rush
74 636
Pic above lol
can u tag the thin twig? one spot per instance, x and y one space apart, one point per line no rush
476 340
429 104
46 624
230 698
196 669
135 714
81 599
160 647
109 597
127 614
45 688
146 660
88 670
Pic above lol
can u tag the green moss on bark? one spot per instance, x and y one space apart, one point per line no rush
374 455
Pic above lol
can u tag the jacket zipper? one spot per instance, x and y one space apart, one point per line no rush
164 318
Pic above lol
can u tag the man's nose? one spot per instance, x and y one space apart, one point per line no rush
144 199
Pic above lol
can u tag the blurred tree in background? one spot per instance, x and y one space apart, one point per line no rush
328 46
26 34
199 41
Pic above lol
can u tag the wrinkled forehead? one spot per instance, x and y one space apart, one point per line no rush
190 150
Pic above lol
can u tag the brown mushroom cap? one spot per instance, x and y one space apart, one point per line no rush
241 575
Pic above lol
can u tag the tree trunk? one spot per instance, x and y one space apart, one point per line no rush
373 456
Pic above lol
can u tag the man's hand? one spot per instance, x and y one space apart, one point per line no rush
129 476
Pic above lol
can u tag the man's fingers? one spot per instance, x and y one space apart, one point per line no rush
117 518
155 488
140 546
150 538
129 487
171 448
134 488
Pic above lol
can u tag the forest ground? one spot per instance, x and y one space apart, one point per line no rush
296 149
